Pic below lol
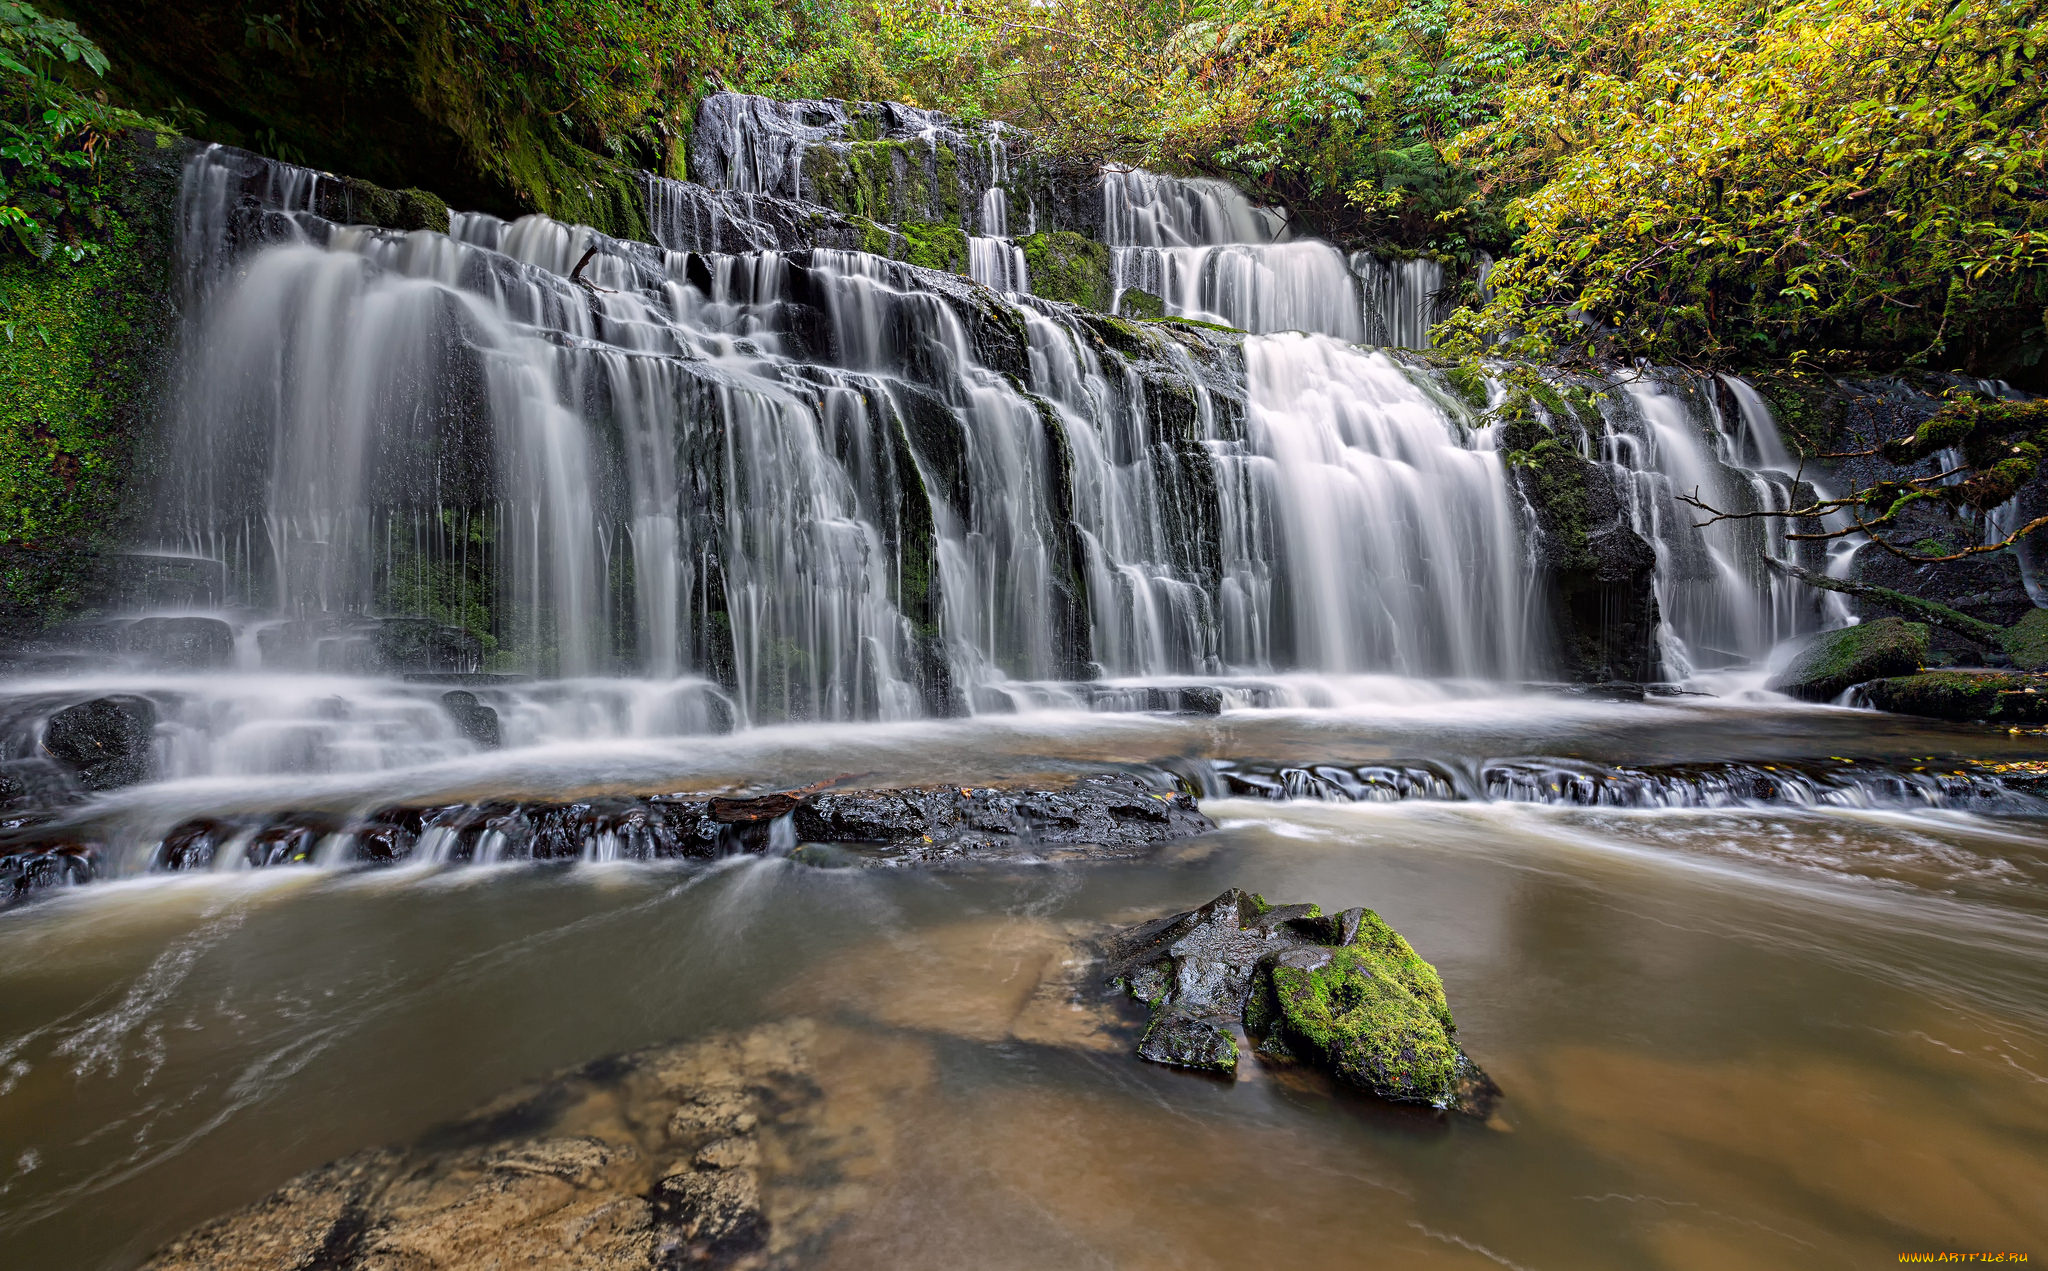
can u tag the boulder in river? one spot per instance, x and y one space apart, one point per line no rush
1340 992
106 742
1832 662
1991 696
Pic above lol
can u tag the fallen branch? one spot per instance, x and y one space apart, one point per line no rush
576 274
1926 610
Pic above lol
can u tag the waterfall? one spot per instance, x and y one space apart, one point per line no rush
1209 254
1720 606
1400 298
839 486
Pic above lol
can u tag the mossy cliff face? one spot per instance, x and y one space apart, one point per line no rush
1065 266
83 353
1598 568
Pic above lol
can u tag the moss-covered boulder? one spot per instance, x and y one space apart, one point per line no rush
1991 696
1065 266
1831 662
1341 992
1138 303
1371 1011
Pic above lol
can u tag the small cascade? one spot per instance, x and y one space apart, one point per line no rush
1402 299
994 259
1207 253
1720 605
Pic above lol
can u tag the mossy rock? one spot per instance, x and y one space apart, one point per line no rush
935 245
1991 696
1372 1012
2026 641
1138 303
1065 266
1830 663
1341 992
1468 381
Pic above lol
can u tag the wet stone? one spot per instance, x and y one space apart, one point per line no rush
1341 992
105 743
477 721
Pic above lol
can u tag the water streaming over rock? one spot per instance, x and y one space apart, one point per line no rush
594 488
1720 604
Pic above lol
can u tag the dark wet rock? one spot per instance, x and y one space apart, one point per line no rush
34 783
477 721
1097 817
1581 783
105 743
647 1160
1340 992
180 644
1830 663
1110 815
419 644
25 873
2001 697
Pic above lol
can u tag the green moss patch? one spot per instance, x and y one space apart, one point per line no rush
1991 696
81 348
1066 266
1831 662
1138 303
2026 641
1374 1014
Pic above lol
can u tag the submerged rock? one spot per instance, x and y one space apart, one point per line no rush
1991 696
1832 662
656 1159
106 743
1340 992
477 721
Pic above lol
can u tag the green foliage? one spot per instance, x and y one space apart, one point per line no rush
1821 179
51 134
80 344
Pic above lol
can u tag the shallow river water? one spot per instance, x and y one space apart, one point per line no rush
1761 1035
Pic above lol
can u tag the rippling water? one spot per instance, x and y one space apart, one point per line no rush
1758 1035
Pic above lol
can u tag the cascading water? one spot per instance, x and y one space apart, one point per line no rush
1721 606
800 474
1207 253
619 489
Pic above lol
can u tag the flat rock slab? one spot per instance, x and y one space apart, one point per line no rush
723 1153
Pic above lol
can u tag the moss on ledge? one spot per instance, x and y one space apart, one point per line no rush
1065 266
1990 696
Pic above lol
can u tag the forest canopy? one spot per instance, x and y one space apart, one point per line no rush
1837 183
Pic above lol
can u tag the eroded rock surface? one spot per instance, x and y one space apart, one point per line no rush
724 1153
1340 992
